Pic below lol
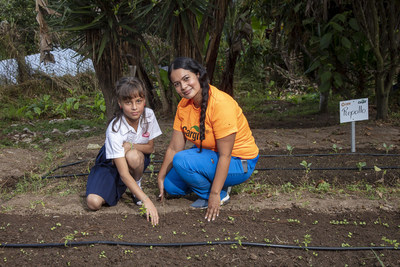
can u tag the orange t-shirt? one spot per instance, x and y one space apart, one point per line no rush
223 117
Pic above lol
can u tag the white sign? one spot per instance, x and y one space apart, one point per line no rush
353 110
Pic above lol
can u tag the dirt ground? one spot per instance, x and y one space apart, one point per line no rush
254 228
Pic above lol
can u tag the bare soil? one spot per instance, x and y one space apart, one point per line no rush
317 222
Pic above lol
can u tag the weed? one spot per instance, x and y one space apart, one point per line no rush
288 187
33 204
323 187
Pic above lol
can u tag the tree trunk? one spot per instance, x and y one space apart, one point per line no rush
227 77
164 101
108 70
382 98
323 102
23 74
217 25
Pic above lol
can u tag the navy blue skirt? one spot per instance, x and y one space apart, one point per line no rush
104 179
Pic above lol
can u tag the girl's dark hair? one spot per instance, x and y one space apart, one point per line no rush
198 69
127 88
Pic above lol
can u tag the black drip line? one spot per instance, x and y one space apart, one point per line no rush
204 243
48 176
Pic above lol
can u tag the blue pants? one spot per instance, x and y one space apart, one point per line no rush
194 172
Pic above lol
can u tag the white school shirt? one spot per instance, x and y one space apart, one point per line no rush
126 133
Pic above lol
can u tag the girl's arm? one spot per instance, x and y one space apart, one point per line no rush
130 182
176 144
144 148
225 146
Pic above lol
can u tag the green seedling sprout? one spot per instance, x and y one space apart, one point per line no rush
387 147
142 210
360 165
306 166
377 170
289 148
336 148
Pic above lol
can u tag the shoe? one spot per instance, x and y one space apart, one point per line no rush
137 201
225 200
200 203
203 203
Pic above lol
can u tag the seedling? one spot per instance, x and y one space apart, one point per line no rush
142 210
102 254
387 147
360 165
289 148
306 166
151 166
126 251
293 220
377 170
335 148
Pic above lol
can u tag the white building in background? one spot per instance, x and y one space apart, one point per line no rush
67 61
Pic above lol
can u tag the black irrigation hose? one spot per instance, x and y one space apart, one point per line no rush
63 166
46 176
258 169
326 169
332 154
209 243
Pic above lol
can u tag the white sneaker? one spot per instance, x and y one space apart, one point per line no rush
225 199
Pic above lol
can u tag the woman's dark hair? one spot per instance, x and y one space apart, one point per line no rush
196 68
127 88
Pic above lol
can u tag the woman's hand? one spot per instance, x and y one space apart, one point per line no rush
151 211
161 188
214 205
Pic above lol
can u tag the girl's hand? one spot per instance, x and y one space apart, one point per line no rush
214 205
127 146
151 211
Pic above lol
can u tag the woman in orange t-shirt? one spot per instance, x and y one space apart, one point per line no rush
224 152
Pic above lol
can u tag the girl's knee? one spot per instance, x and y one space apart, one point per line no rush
134 158
94 202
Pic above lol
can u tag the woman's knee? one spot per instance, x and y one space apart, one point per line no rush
94 202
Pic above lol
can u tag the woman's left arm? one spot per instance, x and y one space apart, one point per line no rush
224 146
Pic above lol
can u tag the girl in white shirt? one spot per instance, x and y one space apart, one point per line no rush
126 153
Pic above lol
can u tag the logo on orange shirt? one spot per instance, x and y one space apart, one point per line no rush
193 135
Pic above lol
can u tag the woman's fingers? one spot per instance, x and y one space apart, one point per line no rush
213 208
